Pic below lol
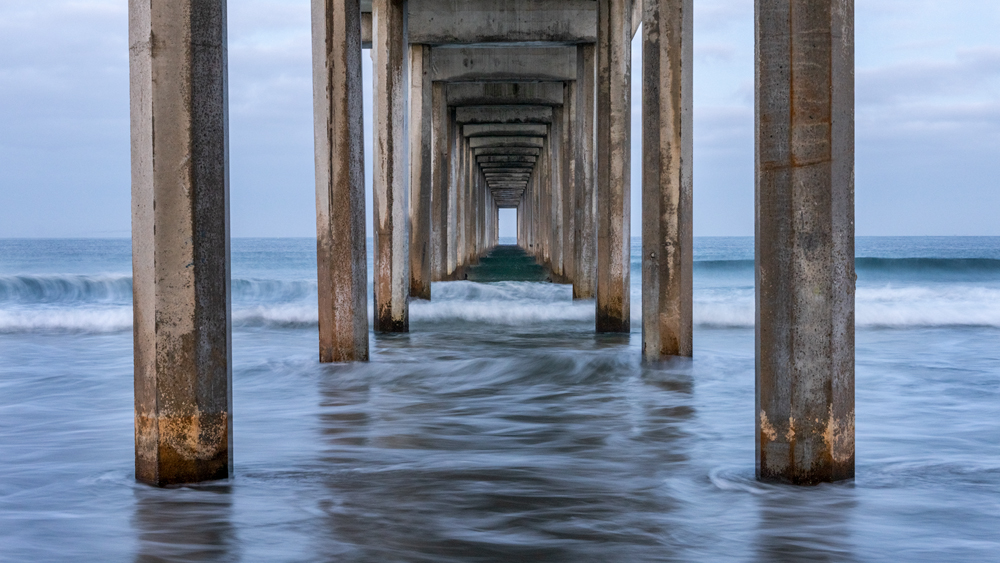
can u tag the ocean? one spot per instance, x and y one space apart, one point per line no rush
501 428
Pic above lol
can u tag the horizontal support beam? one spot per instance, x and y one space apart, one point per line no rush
486 64
526 142
509 129
523 170
504 93
505 166
498 176
440 22
500 159
507 151
503 114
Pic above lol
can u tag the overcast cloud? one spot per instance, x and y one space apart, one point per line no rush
928 118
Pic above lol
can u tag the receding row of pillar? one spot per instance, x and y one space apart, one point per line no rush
440 176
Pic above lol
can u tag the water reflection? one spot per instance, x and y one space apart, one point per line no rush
184 524
806 524
557 454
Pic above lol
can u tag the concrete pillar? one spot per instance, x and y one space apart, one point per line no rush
556 190
545 208
568 187
454 181
180 241
440 168
461 187
340 182
805 240
520 223
614 115
421 180
667 234
585 224
392 174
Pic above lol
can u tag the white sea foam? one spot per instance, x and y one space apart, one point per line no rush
280 304
68 319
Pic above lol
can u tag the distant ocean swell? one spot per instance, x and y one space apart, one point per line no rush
102 303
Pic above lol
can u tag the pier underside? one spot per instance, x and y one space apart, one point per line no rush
481 105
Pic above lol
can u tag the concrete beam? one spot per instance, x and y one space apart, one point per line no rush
805 274
180 241
509 177
507 151
496 64
506 142
505 166
342 256
504 114
505 93
508 129
667 186
392 175
439 22
519 171
497 159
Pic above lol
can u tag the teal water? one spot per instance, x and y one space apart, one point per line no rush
501 428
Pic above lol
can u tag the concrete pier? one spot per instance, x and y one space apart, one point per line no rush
805 240
180 241
614 196
667 235
481 106
390 51
340 182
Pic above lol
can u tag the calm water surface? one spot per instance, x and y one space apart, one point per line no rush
501 428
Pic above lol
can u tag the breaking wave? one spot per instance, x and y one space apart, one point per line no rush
102 303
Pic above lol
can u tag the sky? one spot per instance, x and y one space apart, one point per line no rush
928 118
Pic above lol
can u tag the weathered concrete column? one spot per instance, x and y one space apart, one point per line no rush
520 223
455 179
667 236
340 181
568 166
556 191
421 180
585 223
462 187
805 240
392 174
440 167
180 241
614 115
545 209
